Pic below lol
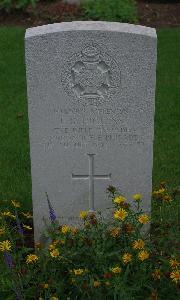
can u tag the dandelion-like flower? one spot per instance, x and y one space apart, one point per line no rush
52 214
175 276
54 298
138 244
143 219
78 272
5 246
8 214
96 284
119 199
83 214
120 214
114 232
15 203
54 253
65 229
116 270
127 257
2 230
27 215
143 255
156 274
27 227
137 197
174 263
31 258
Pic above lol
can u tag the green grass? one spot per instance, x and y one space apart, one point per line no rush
15 179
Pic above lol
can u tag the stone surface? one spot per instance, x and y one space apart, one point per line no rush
91 90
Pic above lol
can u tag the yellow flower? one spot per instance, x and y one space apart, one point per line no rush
96 284
167 198
116 270
137 197
157 274
27 227
2 230
143 255
54 253
28 215
174 263
65 229
5 245
127 257
120 214
8 214
138 244
83 214
15 203
119 199
143 219
115 231
175 276
31 258
78 271
45 286
54 298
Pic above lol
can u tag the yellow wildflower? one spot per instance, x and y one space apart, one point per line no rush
45 286
175 276
28 215
120 214
119 199
54 253
31 258
167 198
174 263
116 270
138 244
54 298
2 230
115 231
78 271
127 257
15 203
143 219
96 284
65 229
8 214
5 245
143 255
27 227
137 197
157 274
83 214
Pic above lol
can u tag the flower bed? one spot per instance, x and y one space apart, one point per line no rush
97 260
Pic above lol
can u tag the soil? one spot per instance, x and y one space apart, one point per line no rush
152 13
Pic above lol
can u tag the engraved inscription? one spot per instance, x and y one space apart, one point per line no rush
91 176
91 76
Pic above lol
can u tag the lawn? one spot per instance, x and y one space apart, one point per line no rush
15 179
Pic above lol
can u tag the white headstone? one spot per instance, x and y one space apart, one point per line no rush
91 90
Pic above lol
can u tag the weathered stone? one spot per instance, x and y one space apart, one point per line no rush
91 90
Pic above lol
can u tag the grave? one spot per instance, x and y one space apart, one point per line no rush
91 91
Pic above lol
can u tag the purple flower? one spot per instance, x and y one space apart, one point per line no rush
19 227
8 259
52 214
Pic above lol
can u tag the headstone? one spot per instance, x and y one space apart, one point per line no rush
91 90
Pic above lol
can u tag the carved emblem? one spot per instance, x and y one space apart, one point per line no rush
91 76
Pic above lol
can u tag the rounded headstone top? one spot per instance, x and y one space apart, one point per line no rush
90 26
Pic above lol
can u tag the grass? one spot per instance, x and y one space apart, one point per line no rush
15 179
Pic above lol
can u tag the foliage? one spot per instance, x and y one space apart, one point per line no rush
16 4
96 260
114 10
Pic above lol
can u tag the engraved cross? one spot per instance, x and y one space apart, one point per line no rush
91 176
